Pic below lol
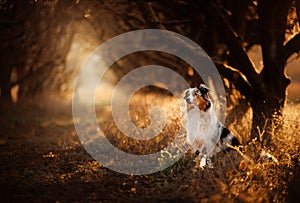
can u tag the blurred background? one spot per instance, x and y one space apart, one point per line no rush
45 42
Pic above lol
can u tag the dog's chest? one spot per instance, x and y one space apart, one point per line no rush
198 124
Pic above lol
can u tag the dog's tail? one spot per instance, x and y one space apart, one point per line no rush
227 138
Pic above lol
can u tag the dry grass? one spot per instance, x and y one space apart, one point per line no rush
42 160
241 175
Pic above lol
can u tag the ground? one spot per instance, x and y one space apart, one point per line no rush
43 160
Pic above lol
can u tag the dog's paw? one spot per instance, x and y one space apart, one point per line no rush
202 163
209 163
266 156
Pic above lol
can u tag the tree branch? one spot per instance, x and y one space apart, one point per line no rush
272 29
237 51
149 15
236 77
292 46
298 9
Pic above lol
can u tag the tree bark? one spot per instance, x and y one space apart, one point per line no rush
5 84
269 97
267 104
267 90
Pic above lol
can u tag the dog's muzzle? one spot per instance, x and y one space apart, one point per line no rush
188 99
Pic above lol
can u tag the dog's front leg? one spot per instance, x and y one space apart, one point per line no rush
205 162
203 159
197 160
200 160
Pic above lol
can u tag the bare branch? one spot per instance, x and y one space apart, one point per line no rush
235 76
292 46
238 18
298 9
176 22
237 51
150 15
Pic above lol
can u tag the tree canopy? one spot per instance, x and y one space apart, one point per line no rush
38 41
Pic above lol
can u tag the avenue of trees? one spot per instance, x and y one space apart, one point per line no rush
36 37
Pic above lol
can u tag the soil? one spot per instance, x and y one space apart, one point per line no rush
43 160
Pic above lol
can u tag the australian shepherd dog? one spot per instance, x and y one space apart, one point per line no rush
205 133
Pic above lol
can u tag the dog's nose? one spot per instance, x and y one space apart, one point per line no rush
186 95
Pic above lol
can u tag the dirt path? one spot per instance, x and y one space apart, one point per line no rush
42 159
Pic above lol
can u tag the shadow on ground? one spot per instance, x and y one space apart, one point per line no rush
42 159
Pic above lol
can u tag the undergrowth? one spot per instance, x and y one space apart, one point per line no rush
42 160
250 172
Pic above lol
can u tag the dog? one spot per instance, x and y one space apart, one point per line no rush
206 135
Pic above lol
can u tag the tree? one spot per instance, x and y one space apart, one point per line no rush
240 25
34 46
266 91
234 27
226 29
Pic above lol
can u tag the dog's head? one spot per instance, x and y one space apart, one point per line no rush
198 97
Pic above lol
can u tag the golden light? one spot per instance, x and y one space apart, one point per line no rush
190 71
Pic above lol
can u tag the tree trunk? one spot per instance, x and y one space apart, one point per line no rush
5 83
267 104
269 96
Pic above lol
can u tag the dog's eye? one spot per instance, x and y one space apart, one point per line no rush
196 92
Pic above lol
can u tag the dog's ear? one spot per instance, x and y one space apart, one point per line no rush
203 89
